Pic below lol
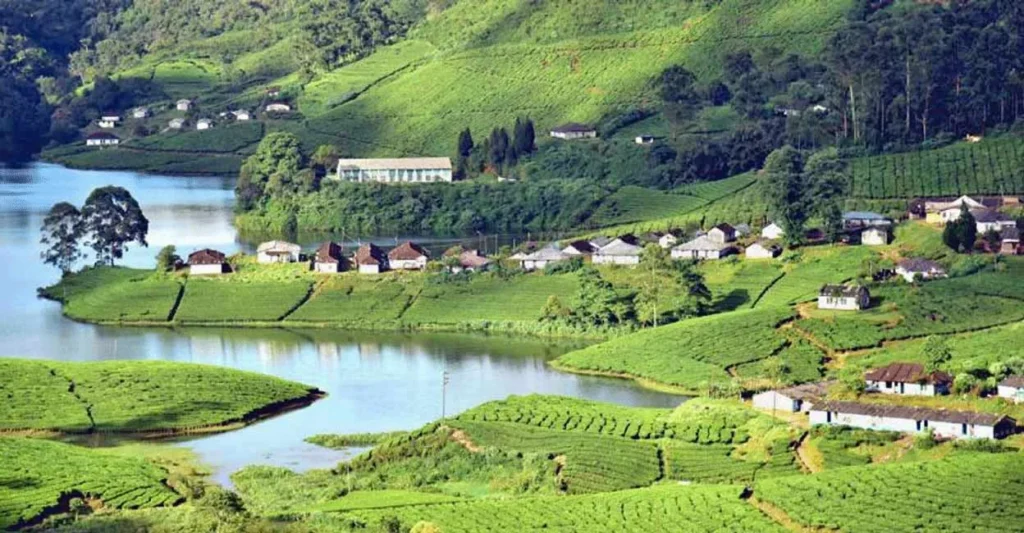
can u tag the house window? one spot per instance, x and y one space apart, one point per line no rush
888 384
926 424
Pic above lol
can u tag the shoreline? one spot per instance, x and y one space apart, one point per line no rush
252 417
646 383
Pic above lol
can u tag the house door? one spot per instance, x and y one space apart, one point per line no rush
828 416
901 388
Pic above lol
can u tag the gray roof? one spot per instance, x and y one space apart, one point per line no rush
400 163
703 243
807 391
1010 234
573 127
619 247
920 265
863 215
990 215
845 291
546 254
600 241
912 413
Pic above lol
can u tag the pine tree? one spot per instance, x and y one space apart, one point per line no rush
465 143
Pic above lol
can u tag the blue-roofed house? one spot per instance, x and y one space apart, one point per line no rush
864 219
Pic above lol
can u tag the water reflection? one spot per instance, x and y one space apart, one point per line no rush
376 381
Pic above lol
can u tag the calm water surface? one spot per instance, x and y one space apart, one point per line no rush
375 381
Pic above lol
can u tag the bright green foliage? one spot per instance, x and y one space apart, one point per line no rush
717 463
339 442
988 167
979 490
223 138
35 474
907 312
341 85
839 444
382 499
145 300
592 463
132 396
690 352
90 279
358 299
975 350
802 360
633 204
227 301
739 285
817 266
664 508
490 298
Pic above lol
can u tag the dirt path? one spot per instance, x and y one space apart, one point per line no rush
460 437
808 457
780 516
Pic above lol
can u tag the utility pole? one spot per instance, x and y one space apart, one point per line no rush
444 392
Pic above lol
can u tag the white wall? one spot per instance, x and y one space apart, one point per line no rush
1009 393
327 268
757 252
205 270
941 429
265 258
369 269
616 259
842 304
408 264
908 389
773 400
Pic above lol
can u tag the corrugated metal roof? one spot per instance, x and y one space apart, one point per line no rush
906 373
401 163
703 243
911 413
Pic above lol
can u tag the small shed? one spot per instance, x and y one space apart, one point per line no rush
183 105
204 124
846 297
763 250
772 232
912 269
408 256
329 258
370 259
574 130
618 252
1012 388
109 121
644 139
206 262
241 115
277 252
907 379
799 398
176 123
1010 241
875 236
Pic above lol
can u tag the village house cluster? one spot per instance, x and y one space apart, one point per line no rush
987 216
896 379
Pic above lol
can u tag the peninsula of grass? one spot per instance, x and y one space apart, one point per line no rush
39 478
148 398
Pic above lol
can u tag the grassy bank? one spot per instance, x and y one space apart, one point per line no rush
138 397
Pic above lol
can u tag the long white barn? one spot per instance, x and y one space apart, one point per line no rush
945 423
396 170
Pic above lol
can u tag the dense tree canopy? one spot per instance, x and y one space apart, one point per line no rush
113 219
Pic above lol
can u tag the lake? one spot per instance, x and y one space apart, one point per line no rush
376 381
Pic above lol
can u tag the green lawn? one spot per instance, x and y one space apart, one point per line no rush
127 396
689 353
229 137
633 204
519 299
226 300
35 474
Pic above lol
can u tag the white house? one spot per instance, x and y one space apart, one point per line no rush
140 112
911 269
945 423
183 105
907 379
542 258
792 399
1012 388
328 259
772 232
618 252
397 170
1010 244
992 220
600 241
722 233
408 256
843 297
102 138
277 252
176 123
206 262
241 115
204 124
574 131
702 248
644 139
669 239
278 107
760 250
875 236
109 121
369 259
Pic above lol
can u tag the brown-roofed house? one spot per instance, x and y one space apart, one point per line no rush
945 423
908 379
370 259
472 261
408 256
329 258
206 262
